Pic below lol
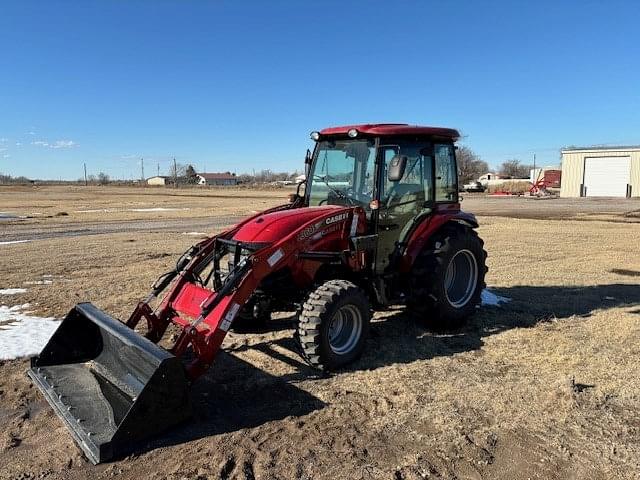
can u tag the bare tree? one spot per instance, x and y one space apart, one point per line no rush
103 178
514 169
8 179
191 177
470 167
183 174
178 171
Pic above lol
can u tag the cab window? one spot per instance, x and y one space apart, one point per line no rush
415 185
446 174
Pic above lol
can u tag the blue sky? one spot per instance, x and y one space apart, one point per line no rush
239 85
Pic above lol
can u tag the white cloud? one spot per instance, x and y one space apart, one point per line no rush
56 144
64 144
18 144
4 140
6 155
31 133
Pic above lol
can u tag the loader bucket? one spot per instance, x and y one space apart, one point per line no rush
111 386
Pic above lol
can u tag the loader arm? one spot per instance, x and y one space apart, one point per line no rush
205 315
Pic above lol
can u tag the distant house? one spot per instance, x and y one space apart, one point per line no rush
157 180
489 176
219 179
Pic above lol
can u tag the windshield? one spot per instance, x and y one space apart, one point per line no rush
343 173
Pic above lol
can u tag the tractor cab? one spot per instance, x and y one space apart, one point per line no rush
398 174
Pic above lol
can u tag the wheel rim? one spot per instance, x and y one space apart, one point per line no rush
345 329
461 278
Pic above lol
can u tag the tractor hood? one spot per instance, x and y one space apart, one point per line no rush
274 226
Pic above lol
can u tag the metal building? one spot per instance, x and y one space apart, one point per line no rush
157 180
601 172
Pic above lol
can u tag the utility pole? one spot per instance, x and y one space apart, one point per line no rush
534 169
175 173
85 174
142 167
158 168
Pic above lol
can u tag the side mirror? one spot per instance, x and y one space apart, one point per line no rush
396 168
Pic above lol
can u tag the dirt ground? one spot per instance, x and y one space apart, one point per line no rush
545 386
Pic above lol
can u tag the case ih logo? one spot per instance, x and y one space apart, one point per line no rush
337 218
309 231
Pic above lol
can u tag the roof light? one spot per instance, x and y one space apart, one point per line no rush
353 133
315 136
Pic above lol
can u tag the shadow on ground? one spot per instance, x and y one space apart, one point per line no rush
226 398
625 272
236 395
400 337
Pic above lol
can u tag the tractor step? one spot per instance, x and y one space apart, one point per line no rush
111 386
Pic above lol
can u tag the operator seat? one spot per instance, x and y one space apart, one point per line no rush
407 198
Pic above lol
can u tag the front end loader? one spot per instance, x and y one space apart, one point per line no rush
378 223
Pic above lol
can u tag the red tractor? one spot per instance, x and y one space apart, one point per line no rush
378 223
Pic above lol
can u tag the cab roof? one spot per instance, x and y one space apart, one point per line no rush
382 129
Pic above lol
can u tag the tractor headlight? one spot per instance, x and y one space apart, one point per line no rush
353 133
315 136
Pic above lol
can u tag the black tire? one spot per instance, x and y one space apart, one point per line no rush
440 307
252 318
333 325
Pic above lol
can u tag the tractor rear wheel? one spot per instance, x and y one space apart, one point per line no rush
447 278
334 324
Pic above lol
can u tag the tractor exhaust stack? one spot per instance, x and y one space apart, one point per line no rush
111 386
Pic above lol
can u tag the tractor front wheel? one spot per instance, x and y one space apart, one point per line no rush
448 277
334 324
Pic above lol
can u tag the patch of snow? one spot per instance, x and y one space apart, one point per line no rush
193 233
39 282
98 210
491 299
21 334
10 242
150 209
12 291
156 209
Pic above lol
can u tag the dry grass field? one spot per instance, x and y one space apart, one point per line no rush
545 386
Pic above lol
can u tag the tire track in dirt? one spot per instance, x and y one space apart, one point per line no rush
37 232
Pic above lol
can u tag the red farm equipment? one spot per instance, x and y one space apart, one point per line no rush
547 178
377 222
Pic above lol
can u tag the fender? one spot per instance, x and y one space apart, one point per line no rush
423 232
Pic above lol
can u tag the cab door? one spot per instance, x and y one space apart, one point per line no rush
402 201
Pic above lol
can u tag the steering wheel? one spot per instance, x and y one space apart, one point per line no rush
392 196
